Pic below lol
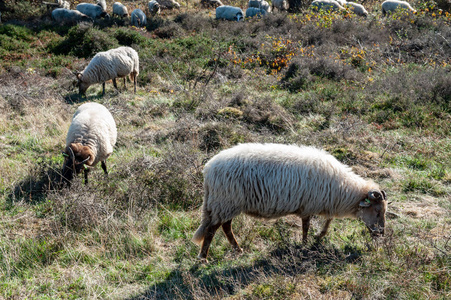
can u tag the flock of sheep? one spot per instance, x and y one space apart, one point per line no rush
88 12
262 180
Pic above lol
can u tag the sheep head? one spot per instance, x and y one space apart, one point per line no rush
82 86
76 158
372 211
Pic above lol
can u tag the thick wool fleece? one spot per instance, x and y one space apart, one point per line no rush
114 63
93 126
274 180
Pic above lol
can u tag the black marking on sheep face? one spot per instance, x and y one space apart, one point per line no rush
372 211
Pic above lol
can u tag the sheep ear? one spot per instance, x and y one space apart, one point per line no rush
78 75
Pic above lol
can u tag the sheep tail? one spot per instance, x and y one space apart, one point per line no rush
200 233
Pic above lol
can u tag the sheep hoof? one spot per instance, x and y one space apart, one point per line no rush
238 250
202 260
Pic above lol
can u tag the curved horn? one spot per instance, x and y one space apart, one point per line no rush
374 195
85 160
71 153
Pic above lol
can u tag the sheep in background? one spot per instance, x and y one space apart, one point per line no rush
392 5
168 4
154 8
211 3
69 17
109 65
92 10
326 5
102 4
138 18
280 5
90 139
358 9
275 180
259 4
120 9
230 13
58 4
254 11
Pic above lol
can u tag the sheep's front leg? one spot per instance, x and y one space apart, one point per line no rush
86 171
103 89
103 164
211 230
305 228
125 83
325 228
227 227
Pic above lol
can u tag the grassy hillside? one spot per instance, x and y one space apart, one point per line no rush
374 92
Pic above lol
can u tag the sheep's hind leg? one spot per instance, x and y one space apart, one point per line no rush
115 84
125 83
211 230
325 228
227 227
103 164
305 228
103 89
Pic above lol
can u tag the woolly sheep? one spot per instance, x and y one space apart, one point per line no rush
92 10
392 5
275 180
280 5
358 9
211 3
168 4
102 4
138 18
69 17
230 13
115 63
90 139
259 4
254 11
57 4
154 8
120 9
326 5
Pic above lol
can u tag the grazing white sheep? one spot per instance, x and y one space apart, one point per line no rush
92 10
260 4
254 11
154 8
358 9
109 65
138 18
58 4
326 5
275 180
69 17
392 5
120 9
211 3
90 139
168 4
102 4
280 5
230 13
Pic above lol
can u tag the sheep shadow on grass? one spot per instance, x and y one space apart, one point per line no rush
36 185
288 261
